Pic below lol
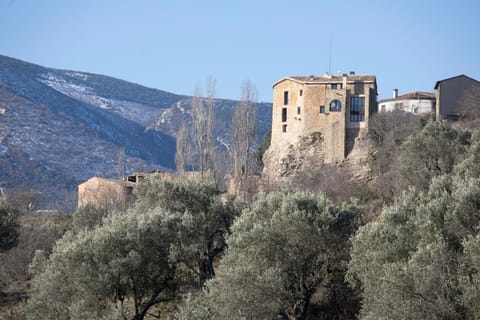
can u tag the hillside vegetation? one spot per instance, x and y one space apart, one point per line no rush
407 248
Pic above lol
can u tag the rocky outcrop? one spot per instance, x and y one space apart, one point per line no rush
281 163
306 155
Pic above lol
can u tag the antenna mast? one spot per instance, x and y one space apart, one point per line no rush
330 57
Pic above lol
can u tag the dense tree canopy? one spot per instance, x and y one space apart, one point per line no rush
281 252
134 260
8 228
432 152
420 259
94 272
203 221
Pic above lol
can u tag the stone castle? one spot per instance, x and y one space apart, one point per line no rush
319 117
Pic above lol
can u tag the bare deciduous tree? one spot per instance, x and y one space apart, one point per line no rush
244 130
470 109
202 125
182 156
209 156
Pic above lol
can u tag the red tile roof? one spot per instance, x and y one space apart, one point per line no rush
417 95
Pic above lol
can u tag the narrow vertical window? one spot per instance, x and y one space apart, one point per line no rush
284 114
284 128
298 110
322 109
357 109
301 93
285 98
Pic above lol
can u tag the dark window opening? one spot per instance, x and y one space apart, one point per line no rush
336 86
284 128
335 105
285 98
301 93
298 110
284 114
322 109
357 109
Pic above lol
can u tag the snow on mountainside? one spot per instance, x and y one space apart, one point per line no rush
135 112
59 127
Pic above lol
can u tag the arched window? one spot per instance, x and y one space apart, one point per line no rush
335 105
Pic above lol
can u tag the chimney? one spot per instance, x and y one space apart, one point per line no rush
395 93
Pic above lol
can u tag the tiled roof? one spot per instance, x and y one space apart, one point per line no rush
333 78
328 78
116 181
417 95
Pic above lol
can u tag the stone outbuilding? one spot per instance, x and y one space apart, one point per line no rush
105 193
118 193
449 95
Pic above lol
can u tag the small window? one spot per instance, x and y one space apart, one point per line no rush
284 114
334 86
298 110
383 107
285 98
284 128
335 106
301 93
322 109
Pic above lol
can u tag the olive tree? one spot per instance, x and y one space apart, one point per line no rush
89 217
202 221
281 252
9 235
387 131
9 228
432 152
96 272
420 259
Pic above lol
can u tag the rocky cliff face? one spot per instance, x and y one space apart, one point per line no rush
288 161
305 157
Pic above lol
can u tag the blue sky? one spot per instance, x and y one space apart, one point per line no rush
176 45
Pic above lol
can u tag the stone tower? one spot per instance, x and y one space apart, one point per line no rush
337 107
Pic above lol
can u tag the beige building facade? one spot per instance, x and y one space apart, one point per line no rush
118 193
105 193
336 106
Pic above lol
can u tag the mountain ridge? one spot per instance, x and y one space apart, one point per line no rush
71 125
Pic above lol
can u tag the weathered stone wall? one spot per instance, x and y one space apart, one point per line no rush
105 193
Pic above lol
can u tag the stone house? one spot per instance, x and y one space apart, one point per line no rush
416 102
449 96
338 107
118 193
105 193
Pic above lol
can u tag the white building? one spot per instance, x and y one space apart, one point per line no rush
414 102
